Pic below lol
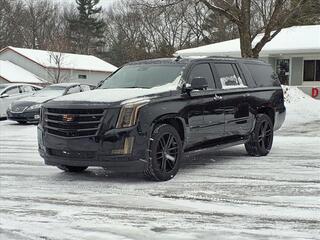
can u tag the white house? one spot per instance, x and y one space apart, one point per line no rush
294 53
63 66
11 73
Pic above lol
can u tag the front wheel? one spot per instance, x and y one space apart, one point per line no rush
165 153
72 168
261 139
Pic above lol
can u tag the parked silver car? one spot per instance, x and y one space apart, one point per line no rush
11 92
28 109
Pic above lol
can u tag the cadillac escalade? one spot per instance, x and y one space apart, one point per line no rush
147 114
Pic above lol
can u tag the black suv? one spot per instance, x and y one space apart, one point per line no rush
148 113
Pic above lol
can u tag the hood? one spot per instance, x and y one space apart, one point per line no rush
35 99
112 95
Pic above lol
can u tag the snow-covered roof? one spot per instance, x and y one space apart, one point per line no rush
15 74
293 40
68 60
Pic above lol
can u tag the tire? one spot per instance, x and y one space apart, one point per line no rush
261 139
165 153
72 168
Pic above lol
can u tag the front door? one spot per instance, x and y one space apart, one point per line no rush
211 121
12 94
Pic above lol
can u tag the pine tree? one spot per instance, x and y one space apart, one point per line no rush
86 29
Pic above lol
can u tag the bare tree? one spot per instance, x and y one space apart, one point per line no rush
252 17
56 53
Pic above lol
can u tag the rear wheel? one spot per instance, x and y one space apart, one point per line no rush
165 153
261 139
72 168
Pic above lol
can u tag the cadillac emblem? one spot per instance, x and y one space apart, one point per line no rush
68 118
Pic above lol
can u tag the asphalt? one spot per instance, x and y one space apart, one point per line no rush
216 195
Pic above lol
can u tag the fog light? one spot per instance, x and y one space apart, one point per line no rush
127 147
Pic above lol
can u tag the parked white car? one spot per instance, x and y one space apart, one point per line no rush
12 92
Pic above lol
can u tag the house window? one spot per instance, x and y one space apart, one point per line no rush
82 76
311 70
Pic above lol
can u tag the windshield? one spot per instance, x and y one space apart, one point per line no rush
51 91
143 76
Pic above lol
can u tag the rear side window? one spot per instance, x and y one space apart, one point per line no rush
229 75
202 70
263 75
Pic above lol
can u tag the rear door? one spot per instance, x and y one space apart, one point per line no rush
234 92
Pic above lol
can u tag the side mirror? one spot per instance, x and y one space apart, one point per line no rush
4 95
199 83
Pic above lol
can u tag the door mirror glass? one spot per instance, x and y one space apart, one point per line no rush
199 83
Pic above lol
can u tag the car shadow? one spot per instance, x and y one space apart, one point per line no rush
101 175
191 161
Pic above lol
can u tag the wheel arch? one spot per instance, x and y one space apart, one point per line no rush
269 111
172 119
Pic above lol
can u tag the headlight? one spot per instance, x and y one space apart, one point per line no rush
129 112
37 106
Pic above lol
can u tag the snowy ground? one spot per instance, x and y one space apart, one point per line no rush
217 195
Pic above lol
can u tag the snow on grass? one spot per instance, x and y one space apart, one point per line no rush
301 108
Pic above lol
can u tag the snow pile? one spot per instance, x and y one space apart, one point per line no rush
301 108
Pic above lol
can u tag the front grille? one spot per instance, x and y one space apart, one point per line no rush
73 122
18 109
71 154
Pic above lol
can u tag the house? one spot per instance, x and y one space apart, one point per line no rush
11 73
294 54
59 67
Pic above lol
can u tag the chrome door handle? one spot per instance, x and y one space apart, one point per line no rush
217 98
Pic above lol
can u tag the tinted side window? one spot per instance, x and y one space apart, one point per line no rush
85 88
75 89
263 75
12 91
27 88
202 70
229 75
36 89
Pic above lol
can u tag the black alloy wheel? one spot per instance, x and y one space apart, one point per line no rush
261 139
165 153
265 135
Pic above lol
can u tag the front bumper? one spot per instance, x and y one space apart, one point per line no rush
97 151
28 116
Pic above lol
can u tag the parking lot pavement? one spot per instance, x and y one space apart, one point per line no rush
216 195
